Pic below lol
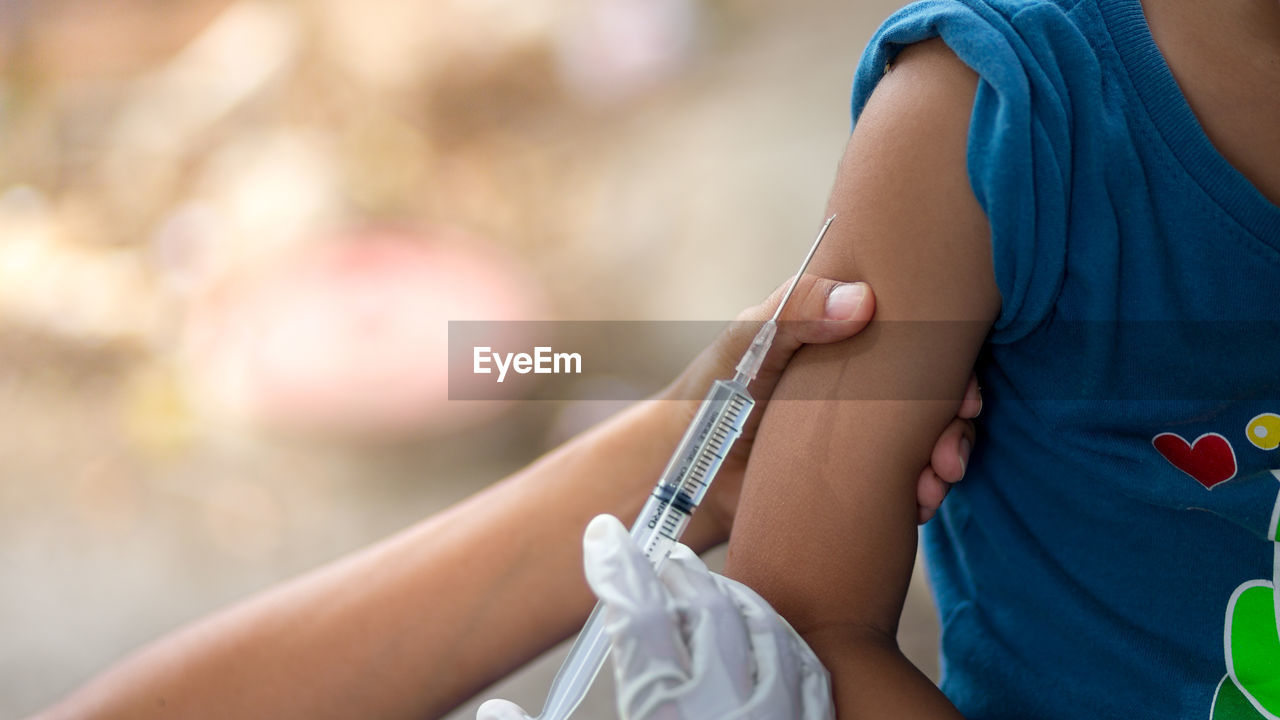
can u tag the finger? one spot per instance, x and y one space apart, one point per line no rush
618 573
820 310
649 657
500 710
971 406
924 515
931 490
950 456
721 662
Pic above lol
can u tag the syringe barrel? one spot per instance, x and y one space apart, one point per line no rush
719 422
710 436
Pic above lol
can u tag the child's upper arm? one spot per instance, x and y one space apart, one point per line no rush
826 526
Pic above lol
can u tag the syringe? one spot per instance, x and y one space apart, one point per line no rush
666 514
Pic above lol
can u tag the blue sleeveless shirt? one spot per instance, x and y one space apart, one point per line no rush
1112 552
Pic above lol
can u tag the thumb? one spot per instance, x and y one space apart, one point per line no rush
618 573
649 654
500 710
821 310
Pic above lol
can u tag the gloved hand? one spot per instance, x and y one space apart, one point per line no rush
692 645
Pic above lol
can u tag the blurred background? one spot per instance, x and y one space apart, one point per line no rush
232 233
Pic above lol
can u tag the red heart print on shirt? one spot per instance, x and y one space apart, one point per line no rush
1209 458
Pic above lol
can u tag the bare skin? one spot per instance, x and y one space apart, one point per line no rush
839 472
1226 60
415 625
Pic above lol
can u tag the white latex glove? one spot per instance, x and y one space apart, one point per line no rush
692 645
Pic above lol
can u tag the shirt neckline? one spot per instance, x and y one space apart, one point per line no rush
1177 124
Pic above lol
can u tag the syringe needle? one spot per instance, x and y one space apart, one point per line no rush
753 358
803 266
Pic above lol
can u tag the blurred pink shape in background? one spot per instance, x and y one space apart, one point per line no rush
350 336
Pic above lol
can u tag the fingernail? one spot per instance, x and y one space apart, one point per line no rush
965 448
845 299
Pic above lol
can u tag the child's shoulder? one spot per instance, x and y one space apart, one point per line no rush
1036 58
1040 65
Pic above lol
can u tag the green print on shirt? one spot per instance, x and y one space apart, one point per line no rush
1251 688
1231 704
1253 656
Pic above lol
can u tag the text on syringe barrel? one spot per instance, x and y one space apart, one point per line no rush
693 466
